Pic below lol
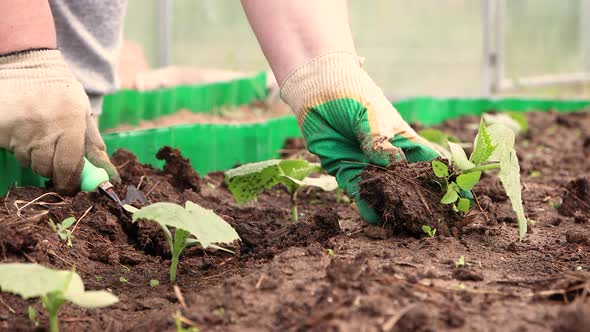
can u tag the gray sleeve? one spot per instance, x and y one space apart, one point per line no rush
89 34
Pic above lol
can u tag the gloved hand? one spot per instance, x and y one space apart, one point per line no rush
348 122
45 118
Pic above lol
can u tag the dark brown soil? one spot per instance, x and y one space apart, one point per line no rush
284 278
407 197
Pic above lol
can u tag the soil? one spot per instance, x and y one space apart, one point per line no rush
255 112
284 278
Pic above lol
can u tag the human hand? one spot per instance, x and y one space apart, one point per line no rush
349 123
46 118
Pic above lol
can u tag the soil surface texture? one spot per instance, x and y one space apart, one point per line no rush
330 272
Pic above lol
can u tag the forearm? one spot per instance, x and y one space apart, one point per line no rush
26 24
292 32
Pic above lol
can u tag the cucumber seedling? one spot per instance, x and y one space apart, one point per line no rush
206 227
493 149
431 232
246 182
62 229
54 287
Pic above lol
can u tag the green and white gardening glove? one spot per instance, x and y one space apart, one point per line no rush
45 118
348 122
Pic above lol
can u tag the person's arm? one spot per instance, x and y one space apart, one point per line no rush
344 116
292 32
26 24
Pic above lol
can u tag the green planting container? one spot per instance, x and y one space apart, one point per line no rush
214 147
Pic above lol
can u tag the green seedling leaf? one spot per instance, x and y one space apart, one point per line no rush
440 169
520 118
154 282
437 136
123 280
55 287
207 227
247 181
431 232
330 252
460 262
98 278
502 119
459 157
451 195
483 147
204 224
68 222
467 181
32 314
325 182
535 174
503 138
130 208
463 205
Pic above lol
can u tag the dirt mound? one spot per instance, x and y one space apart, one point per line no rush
185 177
408 197
576 200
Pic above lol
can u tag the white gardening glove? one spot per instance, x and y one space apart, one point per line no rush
45 118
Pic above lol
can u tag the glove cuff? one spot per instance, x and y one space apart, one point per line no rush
327 77
38 65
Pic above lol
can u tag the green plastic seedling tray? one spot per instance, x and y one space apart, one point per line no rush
215 147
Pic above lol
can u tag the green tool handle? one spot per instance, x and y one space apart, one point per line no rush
92 176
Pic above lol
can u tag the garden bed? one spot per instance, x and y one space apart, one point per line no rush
330 272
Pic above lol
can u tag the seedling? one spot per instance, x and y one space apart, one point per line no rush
61 229
493 149
206 226
431 232
32 313
248 181
330 252
98 278
123 280
516 121
54 287
154 282
460 262
178 319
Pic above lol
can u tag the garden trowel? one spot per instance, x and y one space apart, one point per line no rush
95 178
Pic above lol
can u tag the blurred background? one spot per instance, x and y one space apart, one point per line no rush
413 48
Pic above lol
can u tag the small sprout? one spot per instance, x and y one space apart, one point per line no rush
431 232
460 262
54 287
98 278
464 205
219 312
207 228
211 185
330 252
341 197
535 174
554 205
123 280
62 231
125 268
246 182
154 282
32 313
178 320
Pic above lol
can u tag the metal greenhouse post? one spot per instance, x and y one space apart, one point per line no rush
165 23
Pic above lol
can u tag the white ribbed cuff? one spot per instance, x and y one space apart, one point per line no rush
327 77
